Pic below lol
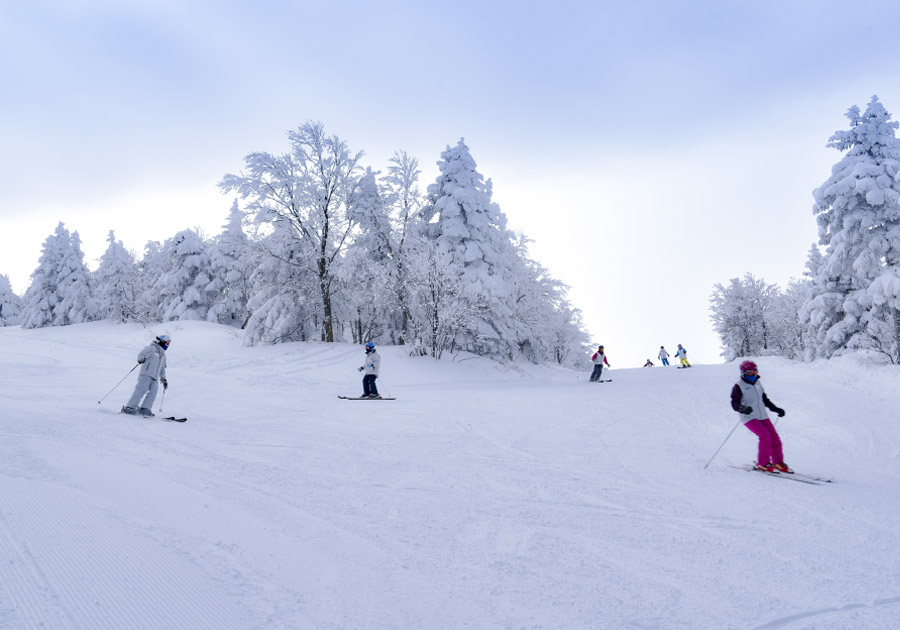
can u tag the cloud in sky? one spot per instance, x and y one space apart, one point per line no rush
650 149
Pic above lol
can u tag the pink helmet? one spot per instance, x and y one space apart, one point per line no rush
748 365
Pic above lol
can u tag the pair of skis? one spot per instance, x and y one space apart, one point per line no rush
791 476
168 418
365 398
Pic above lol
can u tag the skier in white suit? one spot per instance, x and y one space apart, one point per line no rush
153 372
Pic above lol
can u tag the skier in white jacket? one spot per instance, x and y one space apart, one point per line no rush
663 355
153 372
373 363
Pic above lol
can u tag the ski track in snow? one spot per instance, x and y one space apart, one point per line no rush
91 570
485 496
844 616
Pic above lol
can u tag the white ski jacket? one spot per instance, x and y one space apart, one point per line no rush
154 364
373 362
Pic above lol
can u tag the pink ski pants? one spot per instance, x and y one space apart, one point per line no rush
769 442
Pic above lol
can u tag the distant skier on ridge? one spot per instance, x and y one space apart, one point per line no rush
153 372
681 353
599 359
749 399
663 355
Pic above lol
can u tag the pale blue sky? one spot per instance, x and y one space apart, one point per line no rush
651 149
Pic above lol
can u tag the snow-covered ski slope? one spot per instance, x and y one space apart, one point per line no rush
485 496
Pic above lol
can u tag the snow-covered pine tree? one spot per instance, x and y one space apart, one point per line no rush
548 328
182 287
42 295
368 264
307 188
10 303
568 339
823 307
441 313
230 267
115 283
150 269
739 313
404 199
60 292
786 332
77 304
472 231
858 214
284 302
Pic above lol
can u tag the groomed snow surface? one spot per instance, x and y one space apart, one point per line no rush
485 496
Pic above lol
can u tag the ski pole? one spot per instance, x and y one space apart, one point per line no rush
119 383
723 443
775 424
162 400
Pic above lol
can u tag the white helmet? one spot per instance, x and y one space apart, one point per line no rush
164 340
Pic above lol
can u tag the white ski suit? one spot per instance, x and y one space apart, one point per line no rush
153 370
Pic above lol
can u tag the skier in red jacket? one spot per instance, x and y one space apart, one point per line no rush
599 359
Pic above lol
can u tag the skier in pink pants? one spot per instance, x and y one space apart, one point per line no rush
749 399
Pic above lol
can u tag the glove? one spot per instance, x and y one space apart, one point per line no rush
141 360
165 384
360 369
746 410
779 411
